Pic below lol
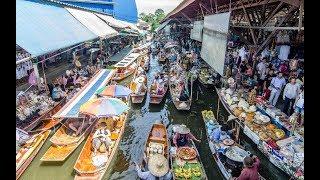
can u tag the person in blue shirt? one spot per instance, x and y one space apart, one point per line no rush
221 133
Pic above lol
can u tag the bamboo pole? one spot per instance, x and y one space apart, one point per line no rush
218 107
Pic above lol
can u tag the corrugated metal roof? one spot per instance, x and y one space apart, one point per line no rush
92 22
42 27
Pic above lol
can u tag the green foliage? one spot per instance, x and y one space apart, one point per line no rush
153 19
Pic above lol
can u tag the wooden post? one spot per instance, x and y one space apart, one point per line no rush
300 15
218 107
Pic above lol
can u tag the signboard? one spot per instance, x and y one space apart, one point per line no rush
214 40
196 31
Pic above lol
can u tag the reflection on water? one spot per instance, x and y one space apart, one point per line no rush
141 118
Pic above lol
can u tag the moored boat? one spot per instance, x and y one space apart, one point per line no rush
186 163
126 67
87 165
139 89
155 96
179 104
157 142
226 163
27 152
64 144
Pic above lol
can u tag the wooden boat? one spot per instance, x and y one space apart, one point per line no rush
177 103
190 163
26 154
46 115
137 98
84 167
63 144
158 136
126 67
215 146
157 99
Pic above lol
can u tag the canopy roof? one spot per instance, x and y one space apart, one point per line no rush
127 60
93 22
42 27
71 109
163 25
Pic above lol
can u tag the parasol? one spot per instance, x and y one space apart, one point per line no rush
114 91
104 107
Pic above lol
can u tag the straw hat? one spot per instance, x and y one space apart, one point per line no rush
182 129
158 165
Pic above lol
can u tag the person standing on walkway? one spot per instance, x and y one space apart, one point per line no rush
276 86
290 94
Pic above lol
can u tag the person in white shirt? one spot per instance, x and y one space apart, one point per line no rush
290 94
276 86
299 103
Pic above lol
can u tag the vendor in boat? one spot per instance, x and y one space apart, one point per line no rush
250 170
158 168
101 137
182 136
221 133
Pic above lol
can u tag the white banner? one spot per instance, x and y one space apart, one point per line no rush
196 31
214 40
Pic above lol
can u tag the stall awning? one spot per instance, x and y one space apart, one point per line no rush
42 27
163 25
93 23
112 21
127 60
71 109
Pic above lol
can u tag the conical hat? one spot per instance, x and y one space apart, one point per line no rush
158 165
182 129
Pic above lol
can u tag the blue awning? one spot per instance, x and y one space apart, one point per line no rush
43 27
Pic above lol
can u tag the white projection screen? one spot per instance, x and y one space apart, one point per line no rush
214 40
196 31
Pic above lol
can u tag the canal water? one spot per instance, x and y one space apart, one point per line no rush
141 118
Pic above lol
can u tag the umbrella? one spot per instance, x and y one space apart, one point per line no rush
104 107
114 91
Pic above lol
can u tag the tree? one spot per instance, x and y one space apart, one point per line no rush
158 12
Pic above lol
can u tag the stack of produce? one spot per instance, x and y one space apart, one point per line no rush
187 171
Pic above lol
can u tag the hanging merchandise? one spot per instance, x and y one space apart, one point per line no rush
23 68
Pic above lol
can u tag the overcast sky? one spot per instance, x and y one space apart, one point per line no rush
150 6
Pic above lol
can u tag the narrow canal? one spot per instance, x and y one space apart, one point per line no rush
141 118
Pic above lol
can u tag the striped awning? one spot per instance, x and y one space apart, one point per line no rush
93 23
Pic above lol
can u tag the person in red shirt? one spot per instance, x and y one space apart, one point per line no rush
250 170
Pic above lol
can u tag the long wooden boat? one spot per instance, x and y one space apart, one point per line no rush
158 136
45 115
84 167
189 164
26 154
126 67
214 147
46 124
177 102
157 98
63 144
138 98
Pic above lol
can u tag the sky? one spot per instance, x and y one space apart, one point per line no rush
150 6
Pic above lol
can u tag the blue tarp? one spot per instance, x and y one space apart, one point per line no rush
43 27
103 8
125 10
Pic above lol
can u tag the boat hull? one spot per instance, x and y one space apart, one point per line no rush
28 160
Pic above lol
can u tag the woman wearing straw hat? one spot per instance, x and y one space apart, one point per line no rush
158 168
250 170
182 136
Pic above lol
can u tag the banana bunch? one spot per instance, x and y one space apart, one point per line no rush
207 114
